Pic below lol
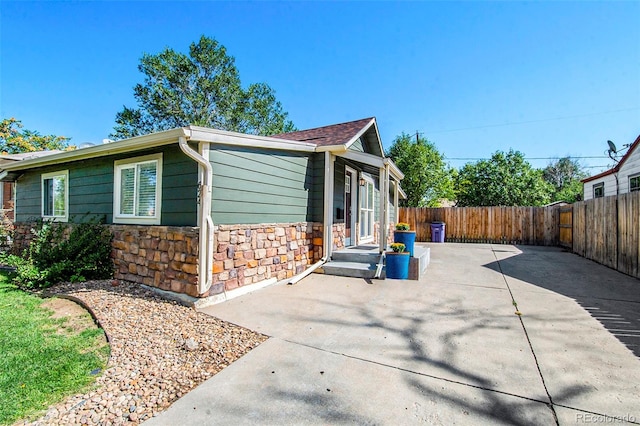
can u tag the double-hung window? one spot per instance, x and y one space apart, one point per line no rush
55 196
138 190
634 183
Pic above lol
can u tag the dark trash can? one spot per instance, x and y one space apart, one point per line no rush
437 232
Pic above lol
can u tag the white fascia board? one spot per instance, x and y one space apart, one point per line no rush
393 169
336 149
134 144
364 158
192 133
203 134
401 192
362 132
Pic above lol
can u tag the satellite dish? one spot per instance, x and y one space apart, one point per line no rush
612 147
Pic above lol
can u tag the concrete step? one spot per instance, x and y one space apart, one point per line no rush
355 256
350 269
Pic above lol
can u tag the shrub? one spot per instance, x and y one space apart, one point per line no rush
64 252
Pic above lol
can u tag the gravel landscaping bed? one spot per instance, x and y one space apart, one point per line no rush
159 351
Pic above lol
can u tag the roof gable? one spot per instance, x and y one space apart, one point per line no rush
340 134
617 167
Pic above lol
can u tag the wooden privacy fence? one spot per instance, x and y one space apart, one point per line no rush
566 226
501 225
607 230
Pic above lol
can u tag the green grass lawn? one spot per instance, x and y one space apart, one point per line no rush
42 359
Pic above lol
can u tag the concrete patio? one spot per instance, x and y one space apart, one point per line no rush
448 349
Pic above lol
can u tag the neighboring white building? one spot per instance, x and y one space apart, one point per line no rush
623 178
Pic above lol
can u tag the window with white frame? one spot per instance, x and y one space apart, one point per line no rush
55 195
138 190
598 190
634 183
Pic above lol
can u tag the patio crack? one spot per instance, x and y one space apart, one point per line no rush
551 404
406 370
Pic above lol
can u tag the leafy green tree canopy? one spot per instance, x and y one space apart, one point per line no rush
564 176
202 88
427 178
506 179
14 139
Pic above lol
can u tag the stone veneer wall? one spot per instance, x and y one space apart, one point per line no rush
376 232
392 229
166 257
247 254
339 234
338 230
22 236
160 256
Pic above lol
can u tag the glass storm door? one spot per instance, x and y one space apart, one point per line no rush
366 211
350 179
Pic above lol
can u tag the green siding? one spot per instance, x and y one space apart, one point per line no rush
253 185
317 191
357 146
376 199
392 210
28 197
179 189
91 188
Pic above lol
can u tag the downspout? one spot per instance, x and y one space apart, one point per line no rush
205 254
327 219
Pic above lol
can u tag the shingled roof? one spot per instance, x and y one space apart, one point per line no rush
335 134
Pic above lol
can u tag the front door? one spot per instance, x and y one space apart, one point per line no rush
349 205
367 210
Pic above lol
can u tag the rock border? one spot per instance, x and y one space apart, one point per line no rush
160 350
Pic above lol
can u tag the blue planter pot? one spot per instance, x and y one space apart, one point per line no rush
397 265
408 238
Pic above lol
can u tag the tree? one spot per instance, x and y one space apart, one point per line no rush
427 178
14 139
504 180
202 89
564 176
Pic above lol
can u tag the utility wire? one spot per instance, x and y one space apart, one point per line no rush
527 158
567 117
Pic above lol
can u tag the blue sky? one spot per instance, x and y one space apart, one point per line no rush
546 78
